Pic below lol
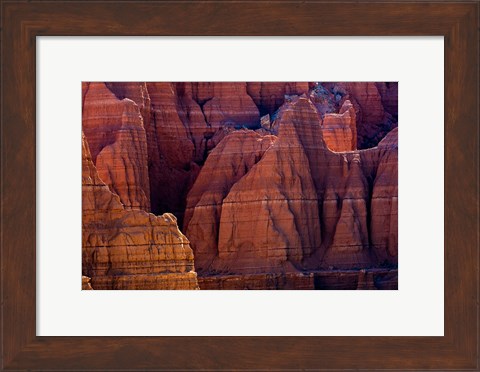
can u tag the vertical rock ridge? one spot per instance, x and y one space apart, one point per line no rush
129 249
119 145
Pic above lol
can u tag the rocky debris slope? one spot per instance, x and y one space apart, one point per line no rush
129 249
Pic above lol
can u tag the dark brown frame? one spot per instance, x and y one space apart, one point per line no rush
22 21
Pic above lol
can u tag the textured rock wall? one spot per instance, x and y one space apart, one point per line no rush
231 105
302 206
129 249
86 283
226 164
270 217
340 130
269 96
376 107
114 127
294 196
171 148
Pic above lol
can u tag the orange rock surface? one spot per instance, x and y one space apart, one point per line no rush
269 96
260 205
115 130
324 279
188 120
389 94
302 206
376 106
235 155
340 130
129 249
170 151
231 105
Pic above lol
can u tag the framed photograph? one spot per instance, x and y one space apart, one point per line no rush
311 170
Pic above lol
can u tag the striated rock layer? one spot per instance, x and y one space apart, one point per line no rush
115 131
340 130
226 164
269 96
324 280
301 206
129 249
86 283
376 106
285 195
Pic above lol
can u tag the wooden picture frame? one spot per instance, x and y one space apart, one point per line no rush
23 21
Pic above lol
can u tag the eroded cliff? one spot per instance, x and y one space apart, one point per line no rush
129 249
286 201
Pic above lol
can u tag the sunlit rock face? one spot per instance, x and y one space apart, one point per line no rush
276 185
129 249
300 206
340 130
376 107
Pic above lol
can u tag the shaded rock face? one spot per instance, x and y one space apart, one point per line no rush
324 280
269 96
171 148
129 249
187 121
389 94
301 206
231 105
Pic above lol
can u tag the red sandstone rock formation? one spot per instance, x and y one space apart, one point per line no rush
340 130
171 151
235 155
389 94
375 104
259 205
324 279
86 283
268 220
303 207
115 130
269 96
129 249
231 105
188 120
384 204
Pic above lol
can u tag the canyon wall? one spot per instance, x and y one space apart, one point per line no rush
118 144
300 206
279 205
375 105
129 249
